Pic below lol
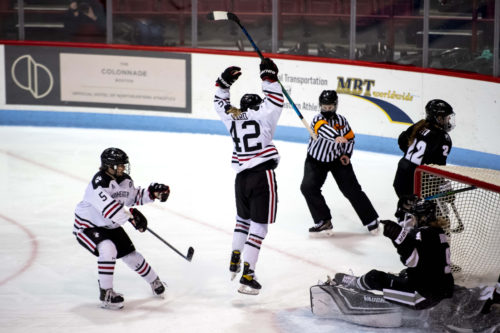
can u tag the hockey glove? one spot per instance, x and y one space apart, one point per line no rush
139 221
159 191
268 70
394 231
228 77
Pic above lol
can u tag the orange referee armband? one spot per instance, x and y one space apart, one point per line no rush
318 124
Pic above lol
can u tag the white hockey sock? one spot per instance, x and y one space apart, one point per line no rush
136 261
106 263
257 233
240 234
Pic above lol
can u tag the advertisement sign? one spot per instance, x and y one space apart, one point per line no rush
98 78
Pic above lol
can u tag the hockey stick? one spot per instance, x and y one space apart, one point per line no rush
443 194
460 226
190 252
220 15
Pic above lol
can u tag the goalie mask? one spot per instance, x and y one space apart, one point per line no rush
113 157
250 101
328 101
441 114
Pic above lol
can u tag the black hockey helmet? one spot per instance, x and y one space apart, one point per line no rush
328 101
424 212
111 157
328 97
441 114
250 101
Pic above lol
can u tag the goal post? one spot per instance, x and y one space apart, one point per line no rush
469 200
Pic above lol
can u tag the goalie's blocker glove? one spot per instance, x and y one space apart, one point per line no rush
139 221
394 231
158 191
228 77
268 70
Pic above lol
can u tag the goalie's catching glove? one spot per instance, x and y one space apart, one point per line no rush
268 70
139 221
158 191
228 77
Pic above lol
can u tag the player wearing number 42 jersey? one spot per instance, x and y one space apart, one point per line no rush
254 158
425 142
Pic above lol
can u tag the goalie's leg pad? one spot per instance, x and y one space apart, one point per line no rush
354 306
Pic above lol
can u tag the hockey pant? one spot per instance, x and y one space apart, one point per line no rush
398 289
315 174
109 245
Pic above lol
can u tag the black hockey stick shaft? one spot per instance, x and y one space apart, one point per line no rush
234 18
189 255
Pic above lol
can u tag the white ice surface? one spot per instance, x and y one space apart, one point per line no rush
48 283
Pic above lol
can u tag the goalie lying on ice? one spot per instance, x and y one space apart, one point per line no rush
469 310
426 283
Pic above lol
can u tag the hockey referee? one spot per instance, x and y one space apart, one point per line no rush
331 152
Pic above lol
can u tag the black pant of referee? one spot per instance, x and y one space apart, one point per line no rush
315 173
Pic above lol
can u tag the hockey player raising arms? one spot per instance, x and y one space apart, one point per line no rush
99 218
254 159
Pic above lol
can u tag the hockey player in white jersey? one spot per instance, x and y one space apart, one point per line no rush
99 218
254 159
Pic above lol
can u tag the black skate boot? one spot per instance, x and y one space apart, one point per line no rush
349 281
249 284
110 299
323 227
158 287
234 264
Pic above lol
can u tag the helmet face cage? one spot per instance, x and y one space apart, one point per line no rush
112 157
424 212
441 114
328 101
250 101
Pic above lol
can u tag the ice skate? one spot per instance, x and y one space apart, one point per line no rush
349 281
111 299
235 264
248 282
158 287
321 229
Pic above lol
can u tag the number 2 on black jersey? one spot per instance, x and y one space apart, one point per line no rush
246 125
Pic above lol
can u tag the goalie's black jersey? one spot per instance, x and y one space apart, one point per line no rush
426 253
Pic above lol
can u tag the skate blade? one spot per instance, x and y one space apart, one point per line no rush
233 275
247 290
112 306
321 234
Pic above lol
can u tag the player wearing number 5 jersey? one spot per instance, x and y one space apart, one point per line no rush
254 158
426 142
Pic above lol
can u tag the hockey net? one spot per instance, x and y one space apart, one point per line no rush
469 199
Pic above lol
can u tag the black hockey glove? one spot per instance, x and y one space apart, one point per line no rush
228 77
159 191
139 221
393 231
268 70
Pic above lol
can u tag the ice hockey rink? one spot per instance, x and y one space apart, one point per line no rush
48 283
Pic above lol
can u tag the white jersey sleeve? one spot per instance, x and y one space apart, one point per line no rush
252 132
105 202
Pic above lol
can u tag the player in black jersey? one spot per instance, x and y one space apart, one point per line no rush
331 153
425 142
99 218
423 248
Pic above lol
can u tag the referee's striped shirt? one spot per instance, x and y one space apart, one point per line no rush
325 149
